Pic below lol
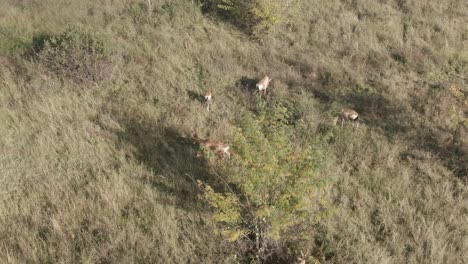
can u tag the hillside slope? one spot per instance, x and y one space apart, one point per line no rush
101 171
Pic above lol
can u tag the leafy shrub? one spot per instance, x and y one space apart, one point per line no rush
273 185
77 53
258 15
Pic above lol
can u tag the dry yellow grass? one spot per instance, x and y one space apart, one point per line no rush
97 173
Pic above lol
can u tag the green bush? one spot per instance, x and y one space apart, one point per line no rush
272 185
257 15
77 53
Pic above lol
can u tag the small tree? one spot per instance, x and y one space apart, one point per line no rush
257 15
273 184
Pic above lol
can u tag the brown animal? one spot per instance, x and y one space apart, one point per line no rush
219 148
348 114
262 85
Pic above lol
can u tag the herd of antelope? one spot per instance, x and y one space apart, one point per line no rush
221 149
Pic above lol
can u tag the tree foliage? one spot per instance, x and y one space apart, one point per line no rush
273 184
258 15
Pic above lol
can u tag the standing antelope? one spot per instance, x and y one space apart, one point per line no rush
208 100
219 148
350 115
262 85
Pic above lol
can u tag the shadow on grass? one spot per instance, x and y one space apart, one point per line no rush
210 8
391 117
376 111
171 157
247 84
395 120
453 153
250 93
196 96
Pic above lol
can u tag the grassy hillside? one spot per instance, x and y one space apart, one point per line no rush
95 165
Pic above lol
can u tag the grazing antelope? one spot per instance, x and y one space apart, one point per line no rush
219 148
208 100
262 85
348 114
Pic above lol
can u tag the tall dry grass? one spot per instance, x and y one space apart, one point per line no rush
101 173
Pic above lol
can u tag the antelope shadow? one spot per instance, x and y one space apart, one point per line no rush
196 96
246 83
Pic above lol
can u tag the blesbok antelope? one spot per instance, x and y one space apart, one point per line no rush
208 99
219 148
262 85
348 114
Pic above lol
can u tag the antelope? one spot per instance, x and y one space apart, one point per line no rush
262 85
348 114
219 148
208 100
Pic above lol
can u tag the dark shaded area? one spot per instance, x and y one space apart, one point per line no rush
376 111
39 42
323 97
171 156
250 93
176 161
210 7
399 56
453 154
246 83
15 67
196 96
426 138
396 120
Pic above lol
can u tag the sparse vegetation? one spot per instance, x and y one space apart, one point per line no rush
107 175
